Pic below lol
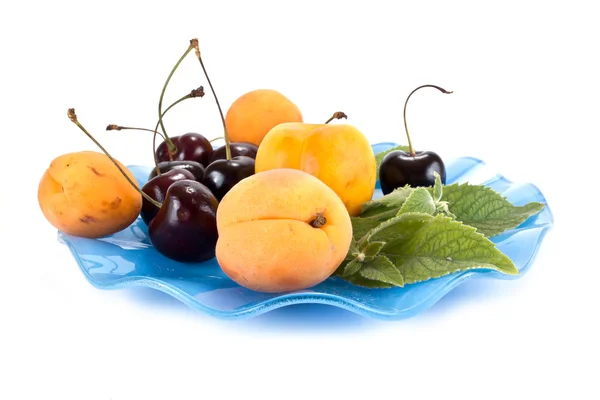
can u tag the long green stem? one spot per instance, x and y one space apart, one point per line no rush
194 43
410 146
73 117
114 127
170 144
194 93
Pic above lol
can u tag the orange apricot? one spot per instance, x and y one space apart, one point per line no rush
281 230
84 194
253 114
338 154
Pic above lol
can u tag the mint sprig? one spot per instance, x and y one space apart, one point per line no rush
415 247
416 234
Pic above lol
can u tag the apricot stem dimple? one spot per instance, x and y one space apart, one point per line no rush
337 115
73 117
194 43
318 221
410 146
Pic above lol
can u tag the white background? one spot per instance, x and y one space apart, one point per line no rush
525 81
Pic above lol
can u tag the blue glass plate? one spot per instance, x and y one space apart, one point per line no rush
127 258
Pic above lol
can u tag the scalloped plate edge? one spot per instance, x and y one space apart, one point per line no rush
306 298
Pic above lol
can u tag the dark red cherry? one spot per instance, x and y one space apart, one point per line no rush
237 149
190 147
221 175
398 168
185 228
414 168
194 167
157 188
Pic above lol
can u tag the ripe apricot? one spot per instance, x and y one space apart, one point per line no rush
84 194
339 155
281 230
253 114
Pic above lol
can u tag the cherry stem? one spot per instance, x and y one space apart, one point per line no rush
114 127
73 117
170 144
199 92
194 43
337 115
410 146
215 139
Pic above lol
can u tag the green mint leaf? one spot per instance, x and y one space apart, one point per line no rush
381 269
348 271
359 280
387 206
362 226
419 201
371 250
485 209
442 208
351 268
353 247
431 247
399 229
379 156
437 187
340 269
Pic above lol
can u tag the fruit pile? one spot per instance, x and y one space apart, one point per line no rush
282 205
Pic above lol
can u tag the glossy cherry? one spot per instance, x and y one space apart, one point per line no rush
190 147
185 228
221 175
192 166
400 168
157 188
237 149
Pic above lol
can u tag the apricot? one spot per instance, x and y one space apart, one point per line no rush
253 114
84 194
338 154
281 230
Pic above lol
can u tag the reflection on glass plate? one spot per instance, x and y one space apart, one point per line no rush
128 259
